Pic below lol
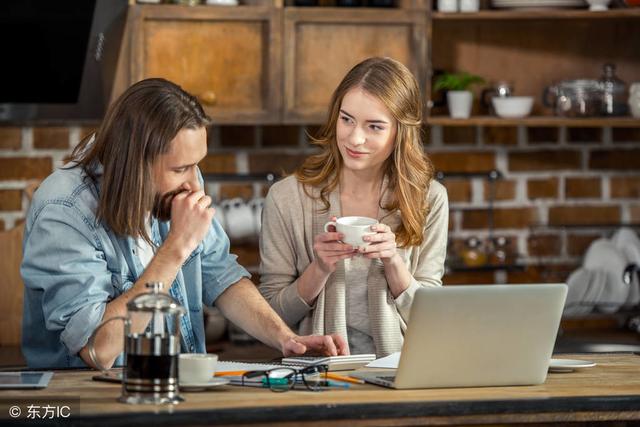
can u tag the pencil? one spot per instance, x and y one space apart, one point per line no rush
343 378
229 373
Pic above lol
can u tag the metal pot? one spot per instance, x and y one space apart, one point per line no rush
574 98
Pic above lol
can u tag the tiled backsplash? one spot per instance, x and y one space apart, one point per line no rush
560 187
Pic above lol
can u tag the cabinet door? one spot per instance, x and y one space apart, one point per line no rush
322 45
230 58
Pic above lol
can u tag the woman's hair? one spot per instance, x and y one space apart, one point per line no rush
137 128
408 169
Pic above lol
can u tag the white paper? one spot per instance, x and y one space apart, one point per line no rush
391 361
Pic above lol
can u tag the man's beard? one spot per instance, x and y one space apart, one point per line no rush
162 204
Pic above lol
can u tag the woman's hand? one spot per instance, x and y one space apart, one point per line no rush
381 245
329 250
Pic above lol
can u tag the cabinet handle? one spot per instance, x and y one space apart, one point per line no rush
208 97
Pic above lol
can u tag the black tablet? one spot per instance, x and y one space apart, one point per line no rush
21 380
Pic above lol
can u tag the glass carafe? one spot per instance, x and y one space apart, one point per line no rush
151 347
614 92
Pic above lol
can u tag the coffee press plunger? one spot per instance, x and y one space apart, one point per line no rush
151 371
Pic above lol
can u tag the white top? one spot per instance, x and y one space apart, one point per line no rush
144 250
357 310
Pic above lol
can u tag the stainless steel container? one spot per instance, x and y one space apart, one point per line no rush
574 98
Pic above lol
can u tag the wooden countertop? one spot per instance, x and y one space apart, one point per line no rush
609 391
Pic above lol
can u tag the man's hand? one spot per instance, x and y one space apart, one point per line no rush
190 219
325 345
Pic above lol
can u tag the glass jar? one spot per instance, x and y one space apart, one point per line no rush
473 255
614 92
500 252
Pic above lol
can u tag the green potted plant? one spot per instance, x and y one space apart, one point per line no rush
459 97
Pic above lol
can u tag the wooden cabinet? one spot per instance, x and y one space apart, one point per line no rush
272 63
322 44
229 57
534 49
232 57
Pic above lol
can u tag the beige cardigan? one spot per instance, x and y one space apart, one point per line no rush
291 220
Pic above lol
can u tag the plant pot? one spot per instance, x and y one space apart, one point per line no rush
459 102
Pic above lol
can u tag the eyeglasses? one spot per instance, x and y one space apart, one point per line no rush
285 379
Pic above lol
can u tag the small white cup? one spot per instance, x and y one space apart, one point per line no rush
354 229
238 218
256 204
447 5
469 5
196 368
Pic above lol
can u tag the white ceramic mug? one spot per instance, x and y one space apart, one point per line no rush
469 5
196 368
256 204
238 218
447 5
634 99
354 229
219 215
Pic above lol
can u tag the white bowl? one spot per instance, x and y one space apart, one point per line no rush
512 106
598 5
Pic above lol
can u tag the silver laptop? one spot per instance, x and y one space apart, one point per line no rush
477 335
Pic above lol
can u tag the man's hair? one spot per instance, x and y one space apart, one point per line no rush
137 128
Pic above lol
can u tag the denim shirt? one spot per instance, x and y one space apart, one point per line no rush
73 266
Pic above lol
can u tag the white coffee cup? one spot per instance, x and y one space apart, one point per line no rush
219 215
256 204
238 218
196 368
354 228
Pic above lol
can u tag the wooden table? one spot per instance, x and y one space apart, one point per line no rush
608 392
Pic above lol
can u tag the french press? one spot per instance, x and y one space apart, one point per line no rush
151 347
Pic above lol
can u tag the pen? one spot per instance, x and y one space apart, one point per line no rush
343 378
329 383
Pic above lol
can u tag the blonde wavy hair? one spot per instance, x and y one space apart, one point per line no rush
408 169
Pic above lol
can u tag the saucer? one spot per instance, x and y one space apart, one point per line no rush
568 365
214 382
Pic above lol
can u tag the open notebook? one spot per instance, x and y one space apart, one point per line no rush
335 363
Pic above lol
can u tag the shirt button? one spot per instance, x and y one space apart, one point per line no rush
192 348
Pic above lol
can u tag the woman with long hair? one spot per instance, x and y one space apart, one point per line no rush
371 163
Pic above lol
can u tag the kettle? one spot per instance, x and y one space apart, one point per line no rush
501 89
151 371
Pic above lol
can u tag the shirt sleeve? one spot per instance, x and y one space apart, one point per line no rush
432 253
220 268
63 260
278 272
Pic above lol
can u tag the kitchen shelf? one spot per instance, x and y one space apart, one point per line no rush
537 121
496 15
544 227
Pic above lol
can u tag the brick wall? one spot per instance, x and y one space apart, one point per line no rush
561 187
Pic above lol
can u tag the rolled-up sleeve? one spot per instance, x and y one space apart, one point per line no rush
220 268
64 263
